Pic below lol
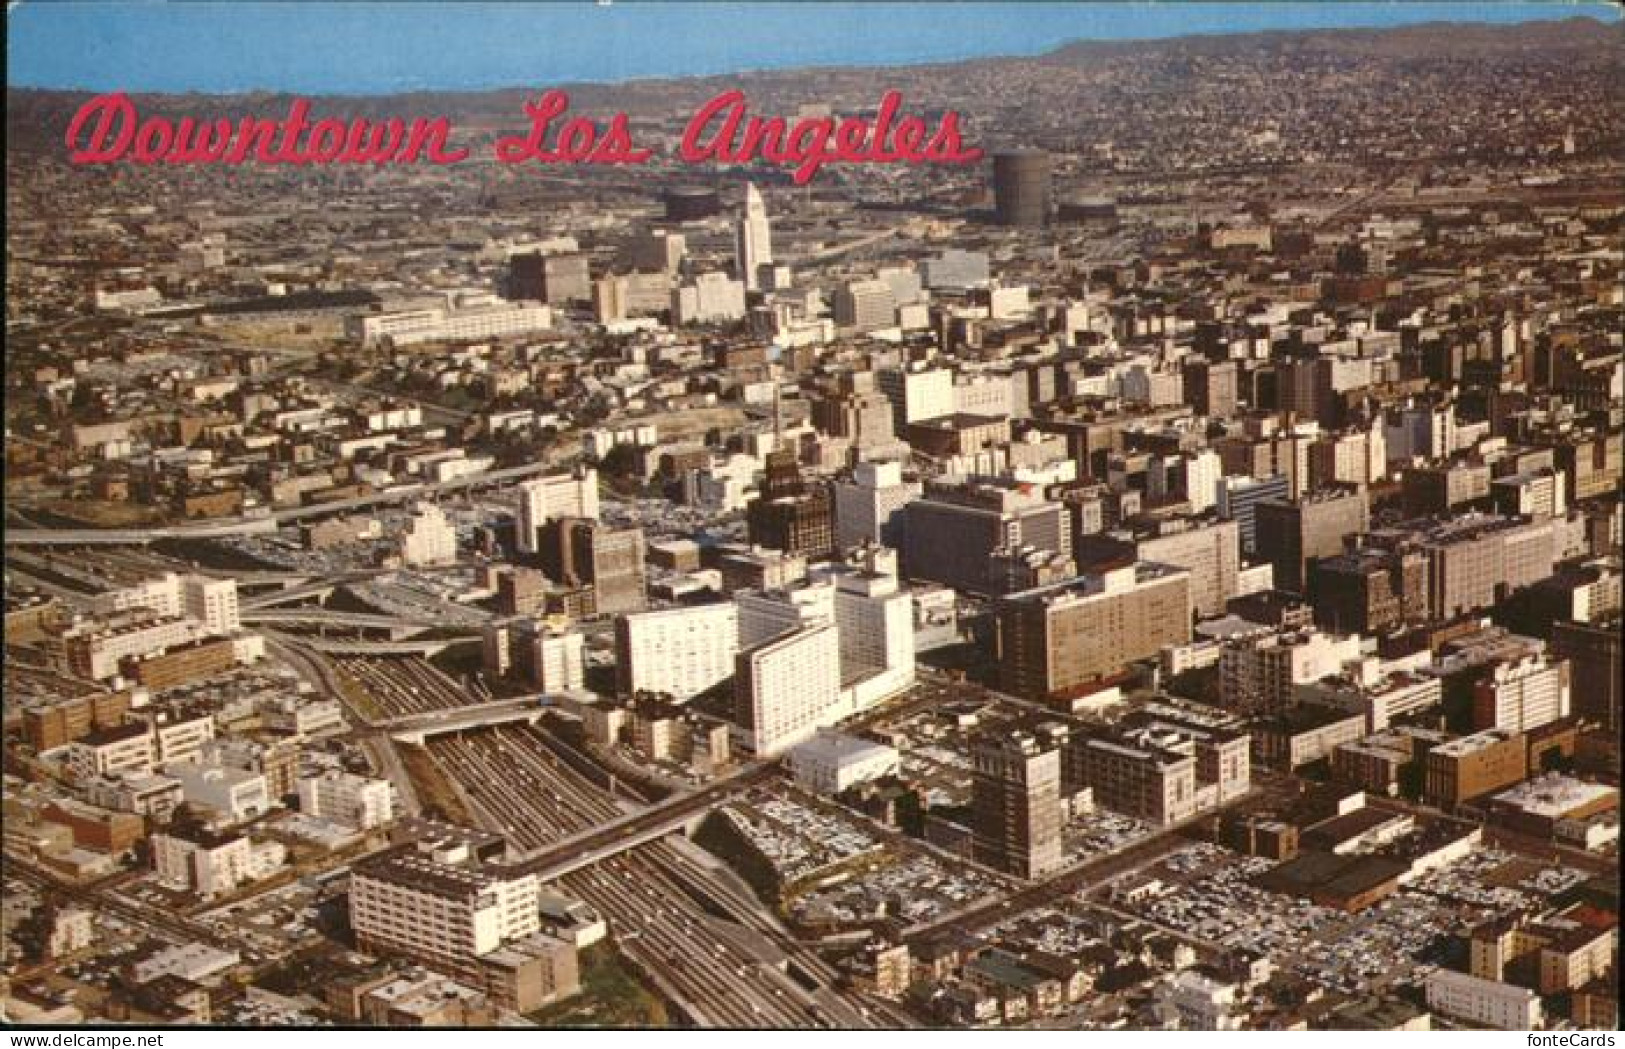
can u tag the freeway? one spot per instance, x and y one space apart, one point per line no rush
617 835
380 749
266 523
456 719
422 647
329 617
705 941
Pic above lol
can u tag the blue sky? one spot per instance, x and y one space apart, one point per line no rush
367 47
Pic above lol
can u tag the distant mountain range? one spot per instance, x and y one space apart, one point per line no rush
37 118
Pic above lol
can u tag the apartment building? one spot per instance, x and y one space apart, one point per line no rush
680 652
788 687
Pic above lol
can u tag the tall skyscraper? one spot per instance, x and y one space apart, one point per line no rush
677 651
578 551
1294 535
753 238
787 688
791 515
542 499
1016 799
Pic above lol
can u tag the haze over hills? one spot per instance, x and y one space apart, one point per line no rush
1572 47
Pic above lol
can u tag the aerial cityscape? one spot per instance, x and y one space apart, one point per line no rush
1164 574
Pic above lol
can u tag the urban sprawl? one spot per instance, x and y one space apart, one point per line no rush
1166 575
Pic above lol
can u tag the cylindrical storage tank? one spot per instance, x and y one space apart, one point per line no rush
1021 188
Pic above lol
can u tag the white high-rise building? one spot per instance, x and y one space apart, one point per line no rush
212 602
1524 695
556 662
430 903
865 305
917 392
710 298
541 499
765 614
161 594
1202 473
874 618
788 688
680 652
430 539
866 507
753 238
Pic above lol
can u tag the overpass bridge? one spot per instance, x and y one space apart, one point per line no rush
418 647
399 627
680 812
267 522
416 728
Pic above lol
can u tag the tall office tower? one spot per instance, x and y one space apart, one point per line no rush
858 412
619 296
865 305
578 551
1239 499
1353 457
1210 387
1293 536
542 499
1021 188
917 392
753 239
1016 799
867 508
679 652
950 534
1594 650
429 539
1054 639
789 515
553 279
1370 591
787 688
1191 476
874 618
